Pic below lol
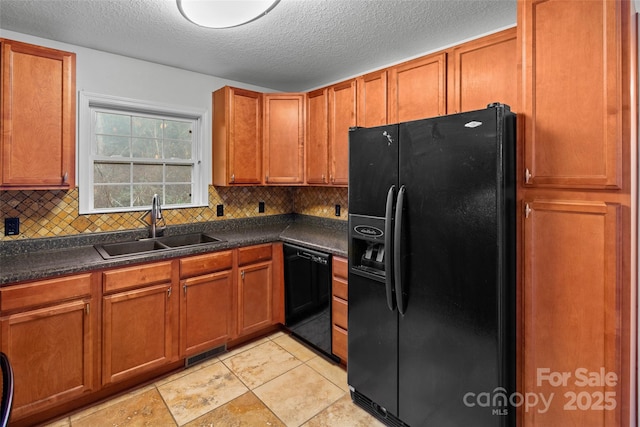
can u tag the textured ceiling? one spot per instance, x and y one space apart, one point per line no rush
299 45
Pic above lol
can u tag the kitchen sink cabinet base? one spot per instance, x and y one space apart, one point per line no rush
77 339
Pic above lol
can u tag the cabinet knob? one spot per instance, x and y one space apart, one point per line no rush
65 177
233 177
242 274
527 210
527 175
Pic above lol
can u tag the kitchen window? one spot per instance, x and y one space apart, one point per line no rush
130 150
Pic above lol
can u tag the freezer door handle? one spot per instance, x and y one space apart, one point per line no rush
397 251
388 242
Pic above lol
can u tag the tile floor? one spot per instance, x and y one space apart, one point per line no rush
275 381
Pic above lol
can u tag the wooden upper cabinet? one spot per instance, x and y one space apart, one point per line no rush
237 137
342 116
284 131
483 71
571 94
417 89
37 146
372 99
316 147
572 312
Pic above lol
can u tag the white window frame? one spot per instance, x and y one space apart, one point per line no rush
89 103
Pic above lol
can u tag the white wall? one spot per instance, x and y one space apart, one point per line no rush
109 74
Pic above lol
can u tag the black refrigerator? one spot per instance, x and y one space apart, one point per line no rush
432 270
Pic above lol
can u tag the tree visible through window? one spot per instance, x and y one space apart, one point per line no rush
136 155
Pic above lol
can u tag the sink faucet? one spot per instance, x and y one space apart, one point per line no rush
156 214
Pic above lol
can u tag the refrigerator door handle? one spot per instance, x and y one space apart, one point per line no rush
388 242
397 251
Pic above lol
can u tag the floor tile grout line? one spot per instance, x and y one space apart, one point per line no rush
167 405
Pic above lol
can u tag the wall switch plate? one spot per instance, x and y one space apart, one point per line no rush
11 226
337 210
260 207
219 210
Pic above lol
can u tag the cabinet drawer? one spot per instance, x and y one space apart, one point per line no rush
340 266
254 254
340 288
140 275
44 292
339 312
203 264
339 342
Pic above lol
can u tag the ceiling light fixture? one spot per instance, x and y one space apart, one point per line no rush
224 13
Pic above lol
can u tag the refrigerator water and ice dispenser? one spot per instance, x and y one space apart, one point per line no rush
367 249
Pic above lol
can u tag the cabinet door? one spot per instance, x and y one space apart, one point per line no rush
572 92
38 117
342 116
317 148
255 292
482 72
572 317
136 332
52 354
206 312
417 89
237 136
372 99
284 138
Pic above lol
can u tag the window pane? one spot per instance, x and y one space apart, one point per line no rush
111 173
144 126
174 149
113 124
142 194
178 194
111 196
147 148
112 146
177 130
147 173
178 174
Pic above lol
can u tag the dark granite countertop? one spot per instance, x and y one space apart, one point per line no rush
22 260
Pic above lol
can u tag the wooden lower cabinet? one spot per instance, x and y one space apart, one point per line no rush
49 333
137 327
260 279
77 339
339 308
206 303
254 288
572 313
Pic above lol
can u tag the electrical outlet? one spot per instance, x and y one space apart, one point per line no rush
260 207
219 210
337 210
11 226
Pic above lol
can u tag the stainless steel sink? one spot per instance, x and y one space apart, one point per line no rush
142 246
129 248
187 239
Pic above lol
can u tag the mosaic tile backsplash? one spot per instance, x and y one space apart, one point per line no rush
55 213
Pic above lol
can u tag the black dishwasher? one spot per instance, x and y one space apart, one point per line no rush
307 281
